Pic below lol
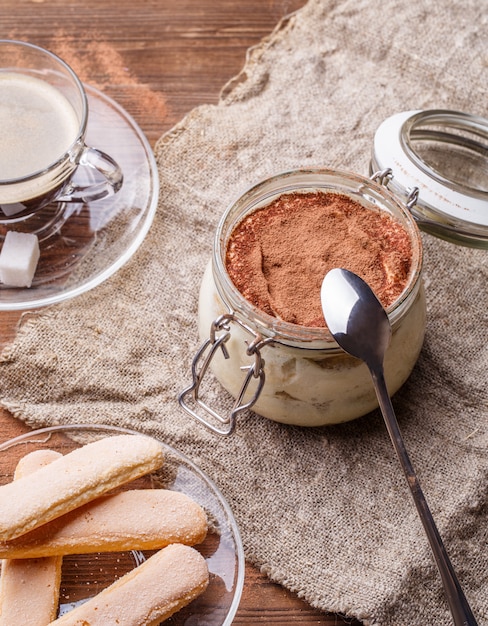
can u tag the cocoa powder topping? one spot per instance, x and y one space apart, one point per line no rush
278 255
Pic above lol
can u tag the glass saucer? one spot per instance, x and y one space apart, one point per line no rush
83 576
82 244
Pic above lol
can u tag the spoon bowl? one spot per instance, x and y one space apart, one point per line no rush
360 325
355 316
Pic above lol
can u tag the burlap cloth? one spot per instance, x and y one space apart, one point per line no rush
325 512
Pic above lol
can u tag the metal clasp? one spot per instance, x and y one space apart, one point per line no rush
383 177
219 335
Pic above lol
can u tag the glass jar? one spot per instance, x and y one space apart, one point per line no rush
286 372
444 155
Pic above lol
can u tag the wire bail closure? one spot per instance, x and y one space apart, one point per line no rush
190 398
383 177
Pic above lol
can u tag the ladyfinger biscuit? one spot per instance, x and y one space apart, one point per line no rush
148 594
34 460
29 588
29 591
74 479
130 520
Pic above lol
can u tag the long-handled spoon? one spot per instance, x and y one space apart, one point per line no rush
360 325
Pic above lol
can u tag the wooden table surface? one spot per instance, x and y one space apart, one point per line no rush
158 59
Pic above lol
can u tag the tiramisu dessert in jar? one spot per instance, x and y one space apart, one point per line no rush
260 317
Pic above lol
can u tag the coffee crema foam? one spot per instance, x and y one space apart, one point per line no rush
38 125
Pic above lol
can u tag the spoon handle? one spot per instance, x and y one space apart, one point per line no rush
460 609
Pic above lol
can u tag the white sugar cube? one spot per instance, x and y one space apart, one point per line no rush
18 259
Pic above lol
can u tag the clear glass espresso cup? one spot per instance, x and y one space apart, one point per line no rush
283 371
43 115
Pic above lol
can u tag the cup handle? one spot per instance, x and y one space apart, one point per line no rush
97 176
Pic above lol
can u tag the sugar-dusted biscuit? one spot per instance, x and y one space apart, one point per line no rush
74 479
136 519
29 588
147 595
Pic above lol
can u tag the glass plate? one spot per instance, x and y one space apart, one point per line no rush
85 575
82 244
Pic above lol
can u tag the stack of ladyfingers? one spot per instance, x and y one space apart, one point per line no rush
59 505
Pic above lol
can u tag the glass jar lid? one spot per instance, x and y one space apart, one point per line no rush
438 161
